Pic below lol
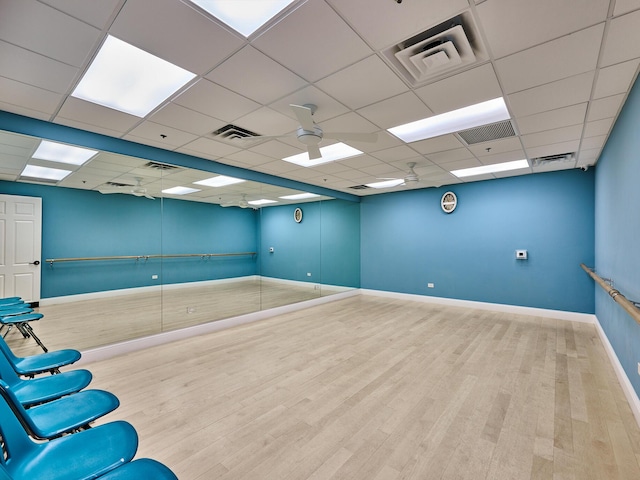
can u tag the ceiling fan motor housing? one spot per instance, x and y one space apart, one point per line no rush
309 137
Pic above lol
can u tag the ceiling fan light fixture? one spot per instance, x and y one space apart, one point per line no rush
330 153
63 153
128 79
495 168
483 113
244 17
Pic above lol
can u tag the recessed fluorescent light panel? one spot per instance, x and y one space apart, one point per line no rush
61 153
219 181
330 153
128 79
484 113
245 16
299 196
386 183
262 201
484 169
180 190
44 173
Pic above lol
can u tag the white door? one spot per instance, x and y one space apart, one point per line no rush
20 248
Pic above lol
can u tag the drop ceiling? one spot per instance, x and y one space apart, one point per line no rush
563 68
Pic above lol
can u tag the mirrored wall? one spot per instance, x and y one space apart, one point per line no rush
132 247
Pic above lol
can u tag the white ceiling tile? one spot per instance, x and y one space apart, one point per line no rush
437 144
274 80
514 25
94 13
562 93
454 92
215 101
562 117
40 28
327 106
512 173
177 33
502 157
623 39
550 137
82 111
404 108
448 156
371 18
588 156
361 162
304 37
561 58
266 121
460 164
605 107
28 97
84 126
154 132
598 127
185 119
556 149
625 6
275 149
250 158
502 145
401 152
211 148
37 70
615 79
22 110
353 86
593 142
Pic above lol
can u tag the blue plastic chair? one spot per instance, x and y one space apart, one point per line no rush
43 389
142 468
21 322
64 415
80 456
44 362
11 300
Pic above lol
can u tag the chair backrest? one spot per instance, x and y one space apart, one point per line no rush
7 373
4 348
19 411
15 440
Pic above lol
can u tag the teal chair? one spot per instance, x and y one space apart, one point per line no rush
143 468
21 322
80 456
43 389
64 415
42 363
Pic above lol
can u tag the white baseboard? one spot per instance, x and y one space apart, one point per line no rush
109 351
627 388
495 307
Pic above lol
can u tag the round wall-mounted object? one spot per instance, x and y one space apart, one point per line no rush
297 215
448 202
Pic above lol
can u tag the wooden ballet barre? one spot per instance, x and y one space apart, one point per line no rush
630 307
51 261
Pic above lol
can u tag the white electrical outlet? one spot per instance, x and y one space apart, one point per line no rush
154 277
430 285
308 274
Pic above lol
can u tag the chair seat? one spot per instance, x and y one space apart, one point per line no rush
11 301
22 318
44 389
45 362
14 309
143 468
70 413
84 455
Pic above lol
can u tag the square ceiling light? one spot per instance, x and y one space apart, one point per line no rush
299 196
128 79
244 16
496 167
180 190
262 201
62 153
44 173
219 181
330 153
483 113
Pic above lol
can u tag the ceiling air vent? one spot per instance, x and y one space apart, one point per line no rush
116 184
486 133
232 132
160 166
438 51
558 158
359 187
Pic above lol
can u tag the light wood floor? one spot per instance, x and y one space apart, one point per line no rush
378 389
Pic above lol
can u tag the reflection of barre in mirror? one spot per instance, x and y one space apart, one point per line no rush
203 256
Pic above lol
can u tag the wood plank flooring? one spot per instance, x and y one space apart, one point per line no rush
368 388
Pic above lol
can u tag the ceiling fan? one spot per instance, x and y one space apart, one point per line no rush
310 134
242 203
138 190
410 178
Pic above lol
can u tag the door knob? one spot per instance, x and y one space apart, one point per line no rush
37 262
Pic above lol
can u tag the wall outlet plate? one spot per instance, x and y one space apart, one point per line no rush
521 254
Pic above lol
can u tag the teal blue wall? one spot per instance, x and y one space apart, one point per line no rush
80 223
325 244
408 241
617 234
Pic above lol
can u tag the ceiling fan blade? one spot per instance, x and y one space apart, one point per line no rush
314 152
353 136
303 114
149 196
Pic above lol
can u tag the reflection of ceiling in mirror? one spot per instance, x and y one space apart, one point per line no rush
110 172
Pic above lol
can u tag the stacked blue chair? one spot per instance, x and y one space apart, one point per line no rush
45 422
14 312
